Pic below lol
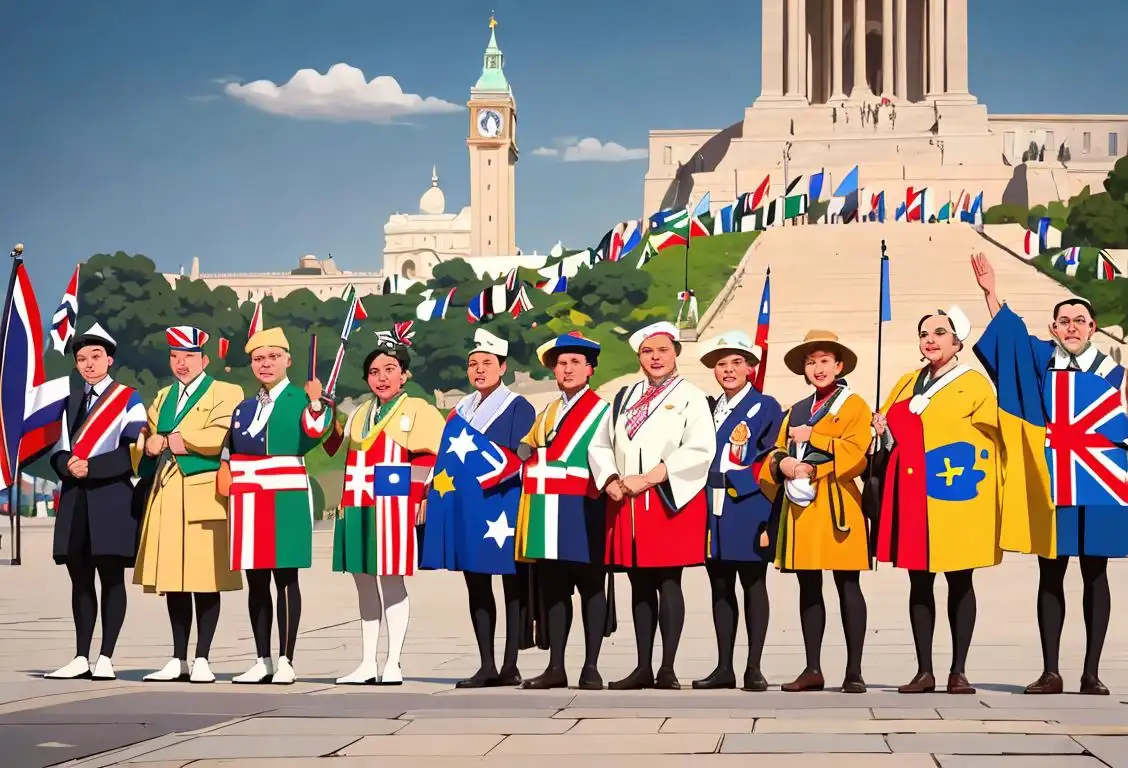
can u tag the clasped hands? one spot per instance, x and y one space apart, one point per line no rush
793 469
78 468
619 488
156 444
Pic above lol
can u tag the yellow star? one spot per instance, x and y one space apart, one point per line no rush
443 483
950 473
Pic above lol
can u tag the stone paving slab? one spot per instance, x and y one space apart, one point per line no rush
629 744
982 744
1019 761
756 743
906 713
1113 750
591 761
203 747
720 725
485 725
304 726
464 745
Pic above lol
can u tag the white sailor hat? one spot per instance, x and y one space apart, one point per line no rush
95 336
484 341
662 328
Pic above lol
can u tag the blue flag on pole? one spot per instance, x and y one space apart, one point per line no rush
886 309
702 206
849 184
814 191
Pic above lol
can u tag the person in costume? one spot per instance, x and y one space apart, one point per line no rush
941 501
652 457
1062 419
739 542
811 477
95 530
270 506
561 517
391 442
183 553
470 520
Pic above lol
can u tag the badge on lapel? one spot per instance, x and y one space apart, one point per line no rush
740 434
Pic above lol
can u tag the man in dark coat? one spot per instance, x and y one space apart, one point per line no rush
95 528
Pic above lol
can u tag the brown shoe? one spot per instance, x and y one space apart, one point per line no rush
924 682
854 685
1092 686
808 681
958 684
1048 683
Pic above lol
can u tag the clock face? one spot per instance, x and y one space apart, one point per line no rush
489 123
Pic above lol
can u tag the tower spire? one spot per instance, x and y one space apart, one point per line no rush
493 61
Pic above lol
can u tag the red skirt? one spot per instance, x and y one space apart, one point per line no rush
902 537
643 532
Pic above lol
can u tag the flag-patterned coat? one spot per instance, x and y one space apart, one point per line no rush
385 473
738 509
270 506
98 508
1066 434
183 545
561 514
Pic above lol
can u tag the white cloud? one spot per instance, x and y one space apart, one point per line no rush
590 150
342 94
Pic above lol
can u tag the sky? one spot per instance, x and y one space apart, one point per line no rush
129 124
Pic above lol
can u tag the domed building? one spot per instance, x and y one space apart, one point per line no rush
415 242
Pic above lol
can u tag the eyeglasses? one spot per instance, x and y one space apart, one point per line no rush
1065 322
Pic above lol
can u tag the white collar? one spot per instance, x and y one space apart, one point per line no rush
100 387
724 404
186 391
918 403
569 402
1084 360
276 390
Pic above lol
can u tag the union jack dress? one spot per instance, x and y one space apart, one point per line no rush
385 475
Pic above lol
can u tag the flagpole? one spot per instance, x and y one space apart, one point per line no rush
13 490
880 319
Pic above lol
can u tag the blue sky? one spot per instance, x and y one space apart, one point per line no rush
118 133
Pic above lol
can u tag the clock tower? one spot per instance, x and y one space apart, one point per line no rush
492 140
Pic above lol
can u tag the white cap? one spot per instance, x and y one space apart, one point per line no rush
960 324
484 341
654 329
95 335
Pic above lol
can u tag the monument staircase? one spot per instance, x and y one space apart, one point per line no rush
827 277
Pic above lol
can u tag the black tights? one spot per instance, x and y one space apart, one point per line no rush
260 607
657 603
180 616
812 618
558 580
726 612
961 616
483 615
1096 605
84 605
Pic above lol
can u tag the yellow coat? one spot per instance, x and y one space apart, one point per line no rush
808 537
962 534
183 544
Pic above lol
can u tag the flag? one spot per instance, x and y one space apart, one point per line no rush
1030 243
814 190
256 321
30 417
848 185
1067 261
879 208
394 284
433 309
619 240
945 213
763 324
1048 237
794 206
658 220
722 222
554 285
664 240
472 505
66 316
886 304
224 346
702 208
646 256
901 212
1106 269
761 194
508 297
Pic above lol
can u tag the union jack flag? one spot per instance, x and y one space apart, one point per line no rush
1086 436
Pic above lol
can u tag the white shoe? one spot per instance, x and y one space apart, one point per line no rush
393 675
176 671
201 671
368 673
77 668
261 672
104 669
285 674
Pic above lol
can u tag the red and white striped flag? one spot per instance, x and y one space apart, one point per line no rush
66 316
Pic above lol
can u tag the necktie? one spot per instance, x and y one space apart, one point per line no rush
263 397
1073 366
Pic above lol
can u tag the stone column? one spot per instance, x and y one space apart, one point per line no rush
801 48
957 46
936 48
771 48
861 87
793 88
886 48
901 68
836 57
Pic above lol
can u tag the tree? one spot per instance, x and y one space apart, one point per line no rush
1116 185
607 291
1100 221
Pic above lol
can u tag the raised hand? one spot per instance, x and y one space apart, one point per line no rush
984 272
314 390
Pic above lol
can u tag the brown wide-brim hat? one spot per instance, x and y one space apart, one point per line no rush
796 357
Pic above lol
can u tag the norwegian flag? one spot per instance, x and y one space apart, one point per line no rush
66 316
1086 436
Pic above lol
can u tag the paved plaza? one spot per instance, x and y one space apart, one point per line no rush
426 723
